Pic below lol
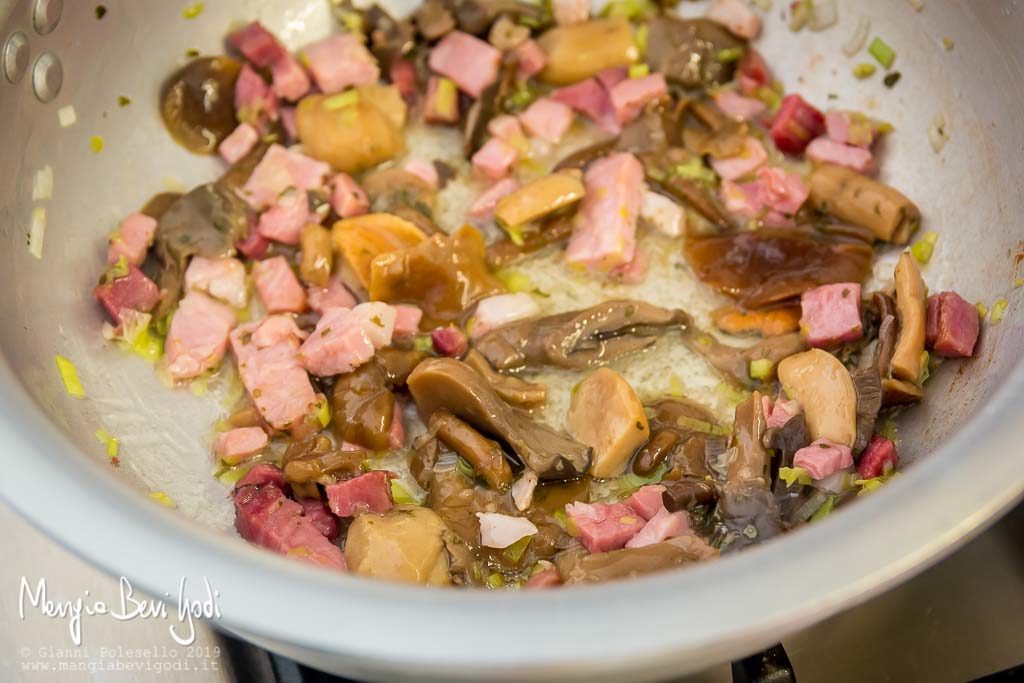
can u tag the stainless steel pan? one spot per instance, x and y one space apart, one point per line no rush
965 439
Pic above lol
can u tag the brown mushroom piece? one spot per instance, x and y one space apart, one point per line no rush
582 157
504 251
868 384
653 453
207 221
513 390
448 384
363 407
687 494
354 130
433 19
659 168
485 455
394 188
746 506
443 275
824 389
734 362
788 439
404 544
910 302
765 322
896 392
688 51
577 566
772 265
198 103
578 51
361 239
491 102
315 460
580 339
317 255
398 364
855 198
538 199
605 414
506 34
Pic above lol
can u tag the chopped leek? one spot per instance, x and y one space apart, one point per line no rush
69 375
163 499
342 100
515 280
948 43
864 70
495 580
423 343
148 346
400 496
675 386
982 310
514 552
925 371
923 249
96 144
108 440
887 429
639 70
882 53
231 475
694 169
825 509
37 232
998 310
761 369
42 184
640 38
193 10
465 468
772 99
731 394
323 412
730 54
794 475
630 9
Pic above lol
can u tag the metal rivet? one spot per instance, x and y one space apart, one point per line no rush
47 76
46 15
15 57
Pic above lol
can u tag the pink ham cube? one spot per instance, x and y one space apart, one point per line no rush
824 150
279 170
591 99
953 325
483 207
319 515
283 222
334 295
468 61
255 102
422 169
223 279
235 445
278 287
779 413
407 320
630 95
661 527
737 106
831 314
266 355
344 339
370 492
731 168
255 245
257 44
347 197
341 61
290 81
507 128
880 456
241 141
530 58
198 336
737 16
605 233
547 119
604 526
495 159
132 239
134 291
449 341
823 458
646 501
780 191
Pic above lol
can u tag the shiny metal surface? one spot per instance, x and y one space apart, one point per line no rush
968 432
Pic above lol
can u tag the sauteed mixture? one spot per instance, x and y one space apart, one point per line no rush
423 399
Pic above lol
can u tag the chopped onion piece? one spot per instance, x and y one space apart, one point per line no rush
36 232
938 133
824 14
855 43
67 116
42 185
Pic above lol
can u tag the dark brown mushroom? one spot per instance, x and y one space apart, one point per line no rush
398 364
687 494
734 362
577 566
653 453
198 103
433 19
363 407
580 339
660 168
688 51
504 251
448 384
315 460
868 384
513 390
483 454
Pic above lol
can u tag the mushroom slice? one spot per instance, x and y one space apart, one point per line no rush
606 415
513 390
484 455
538 199
824 389
404 544
855 198
906 359
579 51
580 339
448 384
362 238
